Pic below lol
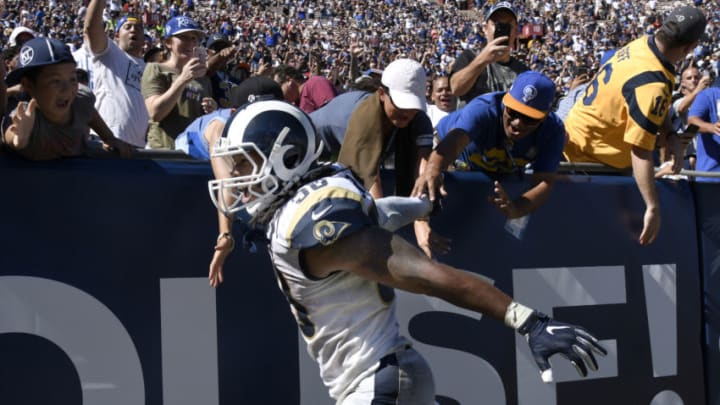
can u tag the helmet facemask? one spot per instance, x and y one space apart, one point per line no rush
227 194
276 166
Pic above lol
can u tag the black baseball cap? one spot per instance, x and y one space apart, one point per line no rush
685 24
217 42
36 53
503 5
256 88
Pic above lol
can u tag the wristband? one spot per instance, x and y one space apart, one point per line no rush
517 314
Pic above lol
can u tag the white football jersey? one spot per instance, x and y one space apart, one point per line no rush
347 321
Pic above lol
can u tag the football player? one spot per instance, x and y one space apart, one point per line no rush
338 266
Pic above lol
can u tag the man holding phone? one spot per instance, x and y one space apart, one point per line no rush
692 82
493 68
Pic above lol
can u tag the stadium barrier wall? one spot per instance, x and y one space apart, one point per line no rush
104 296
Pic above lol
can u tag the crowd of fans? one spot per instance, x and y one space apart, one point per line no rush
324 46
321 37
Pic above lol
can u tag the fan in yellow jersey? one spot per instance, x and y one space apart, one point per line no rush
617 120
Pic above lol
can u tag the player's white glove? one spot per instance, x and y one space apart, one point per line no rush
547 337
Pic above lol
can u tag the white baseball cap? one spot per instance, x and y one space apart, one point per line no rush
12 41
405 80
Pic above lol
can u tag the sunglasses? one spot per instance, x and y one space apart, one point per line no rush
522 117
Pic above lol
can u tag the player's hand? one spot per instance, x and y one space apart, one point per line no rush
503 202
223 248
547 337
22 124
651 226
429 241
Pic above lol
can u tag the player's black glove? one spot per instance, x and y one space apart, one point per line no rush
547 337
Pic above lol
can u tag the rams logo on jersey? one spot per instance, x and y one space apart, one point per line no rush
327 232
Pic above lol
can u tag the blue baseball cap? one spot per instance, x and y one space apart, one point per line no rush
124 19
178 25
503 5
531 94
36 53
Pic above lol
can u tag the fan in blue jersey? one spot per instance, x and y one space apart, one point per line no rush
338 262
499 134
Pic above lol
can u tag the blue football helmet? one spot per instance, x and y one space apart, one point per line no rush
285 146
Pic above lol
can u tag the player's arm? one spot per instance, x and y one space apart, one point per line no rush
388 259
93 30
644 174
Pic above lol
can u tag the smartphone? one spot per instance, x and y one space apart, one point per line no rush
502 30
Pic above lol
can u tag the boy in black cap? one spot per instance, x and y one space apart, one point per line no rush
56 121
493 69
